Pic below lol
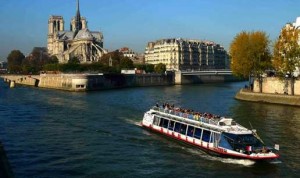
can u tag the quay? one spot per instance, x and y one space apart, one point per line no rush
247 95
273 90
90 82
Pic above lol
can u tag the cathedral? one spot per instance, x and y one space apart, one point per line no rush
79 42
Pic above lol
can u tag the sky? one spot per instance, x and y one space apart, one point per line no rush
134 23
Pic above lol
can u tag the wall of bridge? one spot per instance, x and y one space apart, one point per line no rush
181 79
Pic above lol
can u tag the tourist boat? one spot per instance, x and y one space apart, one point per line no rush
216 135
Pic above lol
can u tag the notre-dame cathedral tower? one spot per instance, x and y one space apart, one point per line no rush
79 42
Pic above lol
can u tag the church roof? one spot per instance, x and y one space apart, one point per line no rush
97 35
84 34
65 35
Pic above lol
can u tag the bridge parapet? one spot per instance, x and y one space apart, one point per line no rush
203 76
206 72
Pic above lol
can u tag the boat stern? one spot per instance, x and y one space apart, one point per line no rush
147 119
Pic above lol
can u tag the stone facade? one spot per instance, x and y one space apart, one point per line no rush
181 54
79 42
277 86
127 52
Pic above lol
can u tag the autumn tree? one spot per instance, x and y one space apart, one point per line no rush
287 54
250 55
14 61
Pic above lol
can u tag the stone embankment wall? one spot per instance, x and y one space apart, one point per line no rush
87 82
277 86
247 95
31 80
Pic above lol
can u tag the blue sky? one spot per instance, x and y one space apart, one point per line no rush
133 23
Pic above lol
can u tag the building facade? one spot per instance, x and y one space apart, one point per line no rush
182 54
3 67
127 52
135 57
79 42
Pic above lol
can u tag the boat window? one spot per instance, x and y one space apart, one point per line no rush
161 122
171 125
190 131
206 135
177 127
183 129
156 120
198 133
165 123
241 141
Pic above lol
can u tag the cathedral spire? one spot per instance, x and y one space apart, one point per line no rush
78 23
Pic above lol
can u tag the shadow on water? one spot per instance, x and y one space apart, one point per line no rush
276 124
5 169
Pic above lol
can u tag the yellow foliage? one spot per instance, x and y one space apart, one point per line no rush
286 51
249 53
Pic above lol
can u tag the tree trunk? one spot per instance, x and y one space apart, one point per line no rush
249 85
260 83
292 85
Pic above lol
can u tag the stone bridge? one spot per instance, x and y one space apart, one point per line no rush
204 76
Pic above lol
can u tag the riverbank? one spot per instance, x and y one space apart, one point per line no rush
89 82
247 95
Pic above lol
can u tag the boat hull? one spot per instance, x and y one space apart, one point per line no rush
220 152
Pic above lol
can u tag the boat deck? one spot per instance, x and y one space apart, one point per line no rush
226 124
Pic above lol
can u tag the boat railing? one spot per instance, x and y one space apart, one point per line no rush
187 115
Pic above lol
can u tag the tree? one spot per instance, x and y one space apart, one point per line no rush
287 54
74 60
14 61
250 55
160 68
126 63
52 60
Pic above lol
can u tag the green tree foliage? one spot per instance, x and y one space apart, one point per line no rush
287 53
118 62
36 61
250 54
115 56
160 68
14 61
74 60
149 68
126 63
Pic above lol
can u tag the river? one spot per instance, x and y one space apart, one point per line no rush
51 133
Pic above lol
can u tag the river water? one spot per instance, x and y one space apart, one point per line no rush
49 133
